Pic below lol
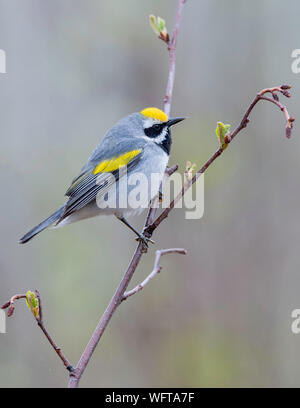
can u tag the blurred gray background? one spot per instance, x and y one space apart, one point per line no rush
220 316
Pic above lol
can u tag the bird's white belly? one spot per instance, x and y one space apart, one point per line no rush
141 185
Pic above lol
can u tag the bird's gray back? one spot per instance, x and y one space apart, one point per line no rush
124 136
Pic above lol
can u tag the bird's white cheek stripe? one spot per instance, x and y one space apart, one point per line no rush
159 139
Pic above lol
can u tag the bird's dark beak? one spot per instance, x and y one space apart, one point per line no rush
173 121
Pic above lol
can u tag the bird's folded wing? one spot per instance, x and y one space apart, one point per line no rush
98 179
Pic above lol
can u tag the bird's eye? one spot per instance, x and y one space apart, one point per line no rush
156 127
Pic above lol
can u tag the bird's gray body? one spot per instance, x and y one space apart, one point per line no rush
151 165
88 188
126 135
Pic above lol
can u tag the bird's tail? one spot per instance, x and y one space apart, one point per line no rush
44 224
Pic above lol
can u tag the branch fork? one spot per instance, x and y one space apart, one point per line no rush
157 268
152 223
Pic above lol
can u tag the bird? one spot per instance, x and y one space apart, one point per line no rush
141 144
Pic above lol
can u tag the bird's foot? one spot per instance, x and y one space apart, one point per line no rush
144 240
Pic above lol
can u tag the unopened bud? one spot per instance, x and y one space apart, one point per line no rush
284 87
10 310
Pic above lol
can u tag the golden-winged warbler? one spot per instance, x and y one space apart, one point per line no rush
139 143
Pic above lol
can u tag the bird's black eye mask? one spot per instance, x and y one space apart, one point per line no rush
161 135
154 130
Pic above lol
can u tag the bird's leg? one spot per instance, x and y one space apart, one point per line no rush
140 237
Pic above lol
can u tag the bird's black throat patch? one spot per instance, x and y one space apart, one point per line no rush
154 132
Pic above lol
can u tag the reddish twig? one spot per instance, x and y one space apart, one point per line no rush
41 325
245 120
157 268
172 59
151 223
39 319
10 305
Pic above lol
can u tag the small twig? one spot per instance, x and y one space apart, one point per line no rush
58 350
157 268
39 319
155 201
245 120
172 59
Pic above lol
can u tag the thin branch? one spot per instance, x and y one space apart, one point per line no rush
39 319
172 59
104 320
157 268
150 223
118 296
245 120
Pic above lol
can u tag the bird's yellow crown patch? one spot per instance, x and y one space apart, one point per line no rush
155 113
113 164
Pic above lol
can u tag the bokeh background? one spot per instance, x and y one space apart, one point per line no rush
220 316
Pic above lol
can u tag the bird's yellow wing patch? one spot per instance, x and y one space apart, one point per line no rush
155 113
113 164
